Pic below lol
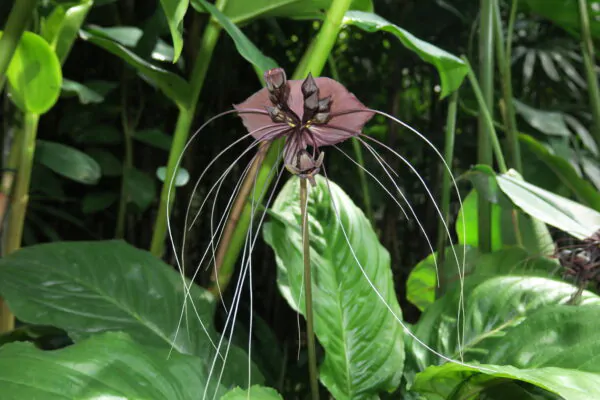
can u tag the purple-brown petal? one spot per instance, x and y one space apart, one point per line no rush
254 114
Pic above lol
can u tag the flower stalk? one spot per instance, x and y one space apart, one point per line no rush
310 334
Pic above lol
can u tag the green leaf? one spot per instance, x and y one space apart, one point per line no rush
582 189
181 179
98 134
493 308
91 287
363 341
554 348
110 365
109 164
562 213
172 85
452 69
141 188
155 138
86 94
68 162
175 11
241 11
565 13
245 47
34 75
60 28
548 122
254 393
98 201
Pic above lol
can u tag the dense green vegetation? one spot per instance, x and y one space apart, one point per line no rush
152 250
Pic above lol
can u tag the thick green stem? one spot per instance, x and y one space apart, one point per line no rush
15 26
504 67
20 198
182 130
487 119
310 333
313 61
446 188
587 46
486 77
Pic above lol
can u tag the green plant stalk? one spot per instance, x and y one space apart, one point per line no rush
358 153
587 47
503 54
446 188
486 77
313 61
15 26
20 198
487 118
127 166
310 333
182 130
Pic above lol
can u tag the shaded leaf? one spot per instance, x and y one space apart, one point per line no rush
362 339
244 46
452 69
85 94
109 164
548 122
141 188
98 134
172 85
155 138
98 201
68 162
181 179
34 75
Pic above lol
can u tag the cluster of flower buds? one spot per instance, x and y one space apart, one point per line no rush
279 93
306 166
316 110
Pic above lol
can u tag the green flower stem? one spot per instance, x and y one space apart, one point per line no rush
486 77
127 161
15 26
446 187
358 153
504 66
182 130
487 118
20 198
310 333
587 47
313 61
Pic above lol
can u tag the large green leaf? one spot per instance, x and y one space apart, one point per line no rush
363 341
254 393
548 122
582 189
565 13
175 11
492 308
106 366
60 28
240 11
68 162
554 348
562 213
34 75
90 287
452 69
245 47
172 85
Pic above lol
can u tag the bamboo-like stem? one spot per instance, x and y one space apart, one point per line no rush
182 130
503 54
589 59
486 77
310 333
15 26
313 61
446 189
19 201
358 153
487 119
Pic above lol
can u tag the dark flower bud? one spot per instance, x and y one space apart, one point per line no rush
311 102
306 166
324 105
276 114
309 86
321 118
275 78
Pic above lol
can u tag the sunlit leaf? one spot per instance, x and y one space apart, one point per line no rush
548 122
452 69
172 85
244 46
565 13
34 75
68 162
60 28
362 339
175 11
254 393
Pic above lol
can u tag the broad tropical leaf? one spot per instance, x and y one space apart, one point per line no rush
68 162
254 393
